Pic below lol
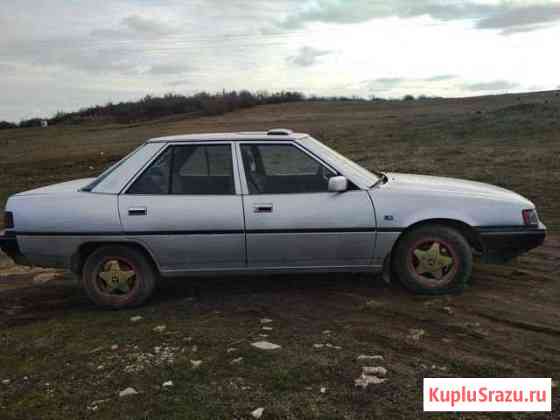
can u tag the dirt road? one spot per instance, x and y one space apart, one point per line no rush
56 347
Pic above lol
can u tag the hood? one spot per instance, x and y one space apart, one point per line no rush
64 187
434 184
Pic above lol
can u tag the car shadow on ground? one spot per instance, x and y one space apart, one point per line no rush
223 286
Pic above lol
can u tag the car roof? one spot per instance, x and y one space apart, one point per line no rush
271 135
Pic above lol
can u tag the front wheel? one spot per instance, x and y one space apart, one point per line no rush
433 260
118 277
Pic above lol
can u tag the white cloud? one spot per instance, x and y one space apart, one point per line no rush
509 16
307 56
495 85
168 69
135 26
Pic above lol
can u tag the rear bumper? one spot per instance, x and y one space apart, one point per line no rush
501 244
9 245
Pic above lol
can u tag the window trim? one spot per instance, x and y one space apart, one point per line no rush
148 165
244 183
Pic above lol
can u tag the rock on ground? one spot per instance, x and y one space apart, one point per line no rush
365 380
448 310
265 345
43 278
136 318
257 414
128 391
160 328
416 334
167 384
374 370
266 321
366 357
196 363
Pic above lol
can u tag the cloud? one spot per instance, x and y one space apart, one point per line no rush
7 68
496 85
72 52
307 56
135 26
168 69
440 78
176 83
385 84
512 19
508 16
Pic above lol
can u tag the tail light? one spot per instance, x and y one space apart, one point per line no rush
8 220
530 217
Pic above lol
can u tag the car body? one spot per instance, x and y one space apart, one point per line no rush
257 202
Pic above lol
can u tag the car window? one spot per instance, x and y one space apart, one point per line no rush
204 169
283 169
189 170
155 179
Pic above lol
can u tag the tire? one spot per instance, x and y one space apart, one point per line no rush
118 277
433 260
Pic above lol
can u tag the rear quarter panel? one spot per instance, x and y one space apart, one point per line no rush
51 228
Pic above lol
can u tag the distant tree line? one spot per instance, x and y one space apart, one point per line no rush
200 104
151 107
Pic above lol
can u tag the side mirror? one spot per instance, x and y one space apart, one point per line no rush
338 184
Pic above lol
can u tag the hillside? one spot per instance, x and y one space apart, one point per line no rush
508 140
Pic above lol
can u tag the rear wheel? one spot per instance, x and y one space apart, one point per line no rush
118 277
433 259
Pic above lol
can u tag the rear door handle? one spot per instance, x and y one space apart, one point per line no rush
263 208
137 211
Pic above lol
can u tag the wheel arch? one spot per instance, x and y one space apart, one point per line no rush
469 232
79 258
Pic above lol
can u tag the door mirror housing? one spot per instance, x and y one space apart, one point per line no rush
338 184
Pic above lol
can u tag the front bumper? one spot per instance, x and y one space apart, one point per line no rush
502 244
9 245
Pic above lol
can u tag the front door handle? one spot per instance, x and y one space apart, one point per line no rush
137 211
263 208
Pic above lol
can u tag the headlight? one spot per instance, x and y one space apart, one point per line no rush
530 217
8 220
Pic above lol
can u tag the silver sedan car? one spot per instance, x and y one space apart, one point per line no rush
261 202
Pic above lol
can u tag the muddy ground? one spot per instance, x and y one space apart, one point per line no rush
66 359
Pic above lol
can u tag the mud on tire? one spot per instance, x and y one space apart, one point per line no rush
433 259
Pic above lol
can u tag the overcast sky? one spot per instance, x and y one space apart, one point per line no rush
66 54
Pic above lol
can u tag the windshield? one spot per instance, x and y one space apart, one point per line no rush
109 170
368 178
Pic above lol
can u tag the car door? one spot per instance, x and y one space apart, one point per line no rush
292 220
187 209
